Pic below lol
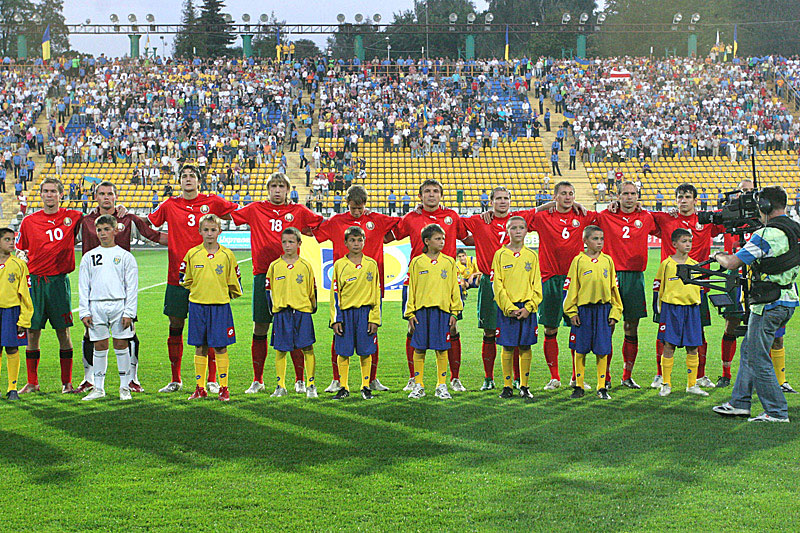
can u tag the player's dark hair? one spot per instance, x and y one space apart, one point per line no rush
776 195
354 231
293 231
678 233
685 188
461 251
105 183
428 232
431 181
191 168
497 190
106 220
356 194
562 184
54 181
6 231
590 230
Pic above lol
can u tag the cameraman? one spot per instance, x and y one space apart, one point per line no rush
767 247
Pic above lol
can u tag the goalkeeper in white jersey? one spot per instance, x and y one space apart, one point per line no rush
109 283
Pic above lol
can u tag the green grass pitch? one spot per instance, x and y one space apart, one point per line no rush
473 463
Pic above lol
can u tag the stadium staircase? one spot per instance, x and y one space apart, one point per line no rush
297 175
584 194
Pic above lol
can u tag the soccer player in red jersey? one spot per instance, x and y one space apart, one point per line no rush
702 234
376 227
182 214
627 230
267 219
106 196
411 225
47 238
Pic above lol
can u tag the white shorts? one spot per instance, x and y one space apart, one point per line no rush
107 316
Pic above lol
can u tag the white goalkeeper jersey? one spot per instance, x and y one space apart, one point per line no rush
108 274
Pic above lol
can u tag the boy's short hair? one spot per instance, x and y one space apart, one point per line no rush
431 181
211 217
354 231
356 194
516 218
106 220
461 251
292 231
430 230
685 188
54 181
590 230
680 232
5 231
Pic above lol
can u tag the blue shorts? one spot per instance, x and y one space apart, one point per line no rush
404 303
680 325
211 325
594 334
354 338
781 331
512 332
8 328
432 331
292 330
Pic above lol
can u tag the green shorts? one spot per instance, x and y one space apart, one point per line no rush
176 301
551 310
631 289
487 307
51 301
261 311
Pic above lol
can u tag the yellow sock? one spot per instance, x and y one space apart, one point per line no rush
441 367
344 371
200 367
525 358
223 364
507 357
666 370
419 366
779 362
311 365
692 362
602 362
366 366
280 368
580 369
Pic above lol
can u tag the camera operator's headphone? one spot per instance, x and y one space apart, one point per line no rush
764 204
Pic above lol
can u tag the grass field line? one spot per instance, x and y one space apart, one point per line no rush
164 282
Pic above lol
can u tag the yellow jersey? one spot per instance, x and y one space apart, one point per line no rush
291 286
465 271
211 278
356 286
15 289
516 278
592 281
669 286
433 283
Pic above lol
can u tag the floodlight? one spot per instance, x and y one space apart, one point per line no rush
18 18
132 18
263 17
695 18
340 17
565 18
677 18
88 21
471 18
583 18
228 18
150 18
376 17
601 18
453 17
489 18
359 18
114 18
246 17
35 18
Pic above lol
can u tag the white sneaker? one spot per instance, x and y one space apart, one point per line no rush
764 417
418 392
726 409
334 386
300 386
456 385
705 382
665 390
657 382
257 386
410 385
311 391
173 386
442 393
212 387
573 383
125 394
279 391
552 385
378 386
695 389
96 394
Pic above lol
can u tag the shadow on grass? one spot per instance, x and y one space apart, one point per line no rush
49 464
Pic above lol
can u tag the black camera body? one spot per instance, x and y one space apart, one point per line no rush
738 212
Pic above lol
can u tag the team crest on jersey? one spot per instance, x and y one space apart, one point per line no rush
120 226
605 273
698 226
444 273
289 217
370 225
575 223
219 269
299 278
12 278
204 209
369 276
117 260
67 221
528 266
637 223
448 220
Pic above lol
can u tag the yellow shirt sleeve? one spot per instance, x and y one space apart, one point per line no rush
411 300
234 276
333 302
456 304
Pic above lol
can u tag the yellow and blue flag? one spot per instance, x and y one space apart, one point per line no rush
506 42
46 44
735 40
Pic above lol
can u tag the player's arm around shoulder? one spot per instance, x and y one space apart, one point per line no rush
537 294
571 285
456 303
375 300
501 296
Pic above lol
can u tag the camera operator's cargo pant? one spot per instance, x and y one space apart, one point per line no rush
755 366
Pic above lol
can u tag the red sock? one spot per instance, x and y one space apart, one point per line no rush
175 351
32 364
65 358
410 356
659 351
298 361
551 355
608 366
334 362
258 352
573 364
515 361
630 349
373 368
702 350
728 353
212 364
488 354
454 356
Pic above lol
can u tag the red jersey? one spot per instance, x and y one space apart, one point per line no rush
89 240
182 216
701 234
626 238
375 226
731 242
488 238
267 221
49 241
411 226
560 238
